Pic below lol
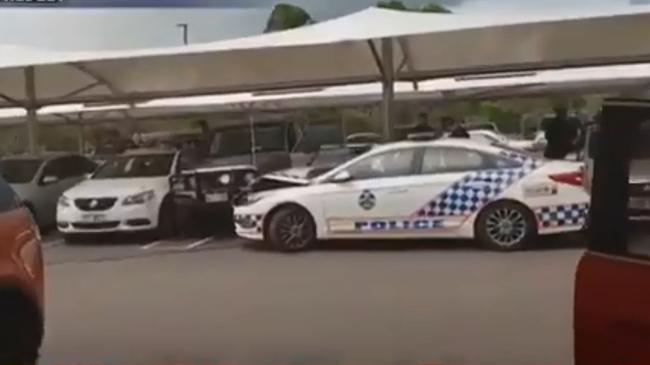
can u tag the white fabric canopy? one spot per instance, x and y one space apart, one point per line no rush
616 78
336 52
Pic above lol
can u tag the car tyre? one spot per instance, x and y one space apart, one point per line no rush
166 219
73 239
292 229
21 334
505 226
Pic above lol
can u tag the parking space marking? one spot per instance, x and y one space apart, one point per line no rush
151 245
54 242
199 243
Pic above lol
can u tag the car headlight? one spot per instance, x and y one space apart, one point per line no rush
64 201
249 177
224 179
139 198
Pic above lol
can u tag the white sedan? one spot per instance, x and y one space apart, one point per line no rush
129 193
451 188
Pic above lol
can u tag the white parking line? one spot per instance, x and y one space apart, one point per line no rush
53 243
151 245
199 243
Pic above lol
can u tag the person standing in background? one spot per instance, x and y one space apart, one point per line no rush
422 124
561 133
459 130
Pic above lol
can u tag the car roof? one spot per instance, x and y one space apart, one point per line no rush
443 142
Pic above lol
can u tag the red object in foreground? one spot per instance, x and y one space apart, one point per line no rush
612 311
21 282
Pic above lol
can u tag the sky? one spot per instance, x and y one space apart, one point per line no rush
87 25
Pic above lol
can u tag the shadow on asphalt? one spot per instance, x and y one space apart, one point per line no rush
220 231
554 242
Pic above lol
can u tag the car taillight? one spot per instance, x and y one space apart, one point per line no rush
586 182
574 178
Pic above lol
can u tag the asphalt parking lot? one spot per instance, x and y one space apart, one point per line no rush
223 300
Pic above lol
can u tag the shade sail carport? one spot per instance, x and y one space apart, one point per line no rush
370 46
580 80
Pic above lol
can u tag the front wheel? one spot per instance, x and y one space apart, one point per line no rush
292 229
505 226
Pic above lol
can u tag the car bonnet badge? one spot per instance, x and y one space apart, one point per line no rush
367 200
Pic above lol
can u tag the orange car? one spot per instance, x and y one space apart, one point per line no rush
21 282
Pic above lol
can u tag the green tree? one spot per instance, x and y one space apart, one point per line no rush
398 5
285 16
434 8
392 4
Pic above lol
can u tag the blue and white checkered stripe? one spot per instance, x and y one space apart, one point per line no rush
528 162
478 188
250 221
562 215
471 193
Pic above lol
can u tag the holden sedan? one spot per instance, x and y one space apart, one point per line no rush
130 193
449 188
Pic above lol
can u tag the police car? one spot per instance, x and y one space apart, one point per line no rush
449 188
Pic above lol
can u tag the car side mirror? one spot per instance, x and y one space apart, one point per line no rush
341 177
49 179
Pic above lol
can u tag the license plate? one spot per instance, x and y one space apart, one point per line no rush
639 203
93 218
216 198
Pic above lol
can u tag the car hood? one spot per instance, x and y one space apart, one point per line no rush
116 187
297 175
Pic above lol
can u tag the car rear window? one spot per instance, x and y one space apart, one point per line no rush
19 171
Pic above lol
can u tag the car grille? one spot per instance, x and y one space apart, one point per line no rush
102 225
210 181
95 204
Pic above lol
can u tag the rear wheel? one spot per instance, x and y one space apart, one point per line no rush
292 229
21 332
505 226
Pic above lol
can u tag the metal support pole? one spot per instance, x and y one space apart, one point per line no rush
388 78
82 137
31 108
251 119
185 28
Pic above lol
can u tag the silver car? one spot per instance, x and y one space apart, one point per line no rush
39 181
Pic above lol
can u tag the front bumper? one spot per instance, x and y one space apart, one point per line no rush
249 224
120 218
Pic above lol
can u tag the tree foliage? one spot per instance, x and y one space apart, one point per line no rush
286 16
392 4
399 5
434 8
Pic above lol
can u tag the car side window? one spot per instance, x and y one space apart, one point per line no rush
55 167
447 160
8 199
387 164
78 166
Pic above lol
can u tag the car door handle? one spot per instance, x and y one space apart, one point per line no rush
398 191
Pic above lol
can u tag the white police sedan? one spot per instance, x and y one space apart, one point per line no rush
451 188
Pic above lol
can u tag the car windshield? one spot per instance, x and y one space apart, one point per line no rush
19 171
317 136
516 151
237 141
152 165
